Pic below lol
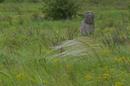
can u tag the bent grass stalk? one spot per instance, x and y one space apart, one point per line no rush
1 72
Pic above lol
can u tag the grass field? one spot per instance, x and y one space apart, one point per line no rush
39 52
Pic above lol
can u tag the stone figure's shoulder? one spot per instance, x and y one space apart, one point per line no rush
82 22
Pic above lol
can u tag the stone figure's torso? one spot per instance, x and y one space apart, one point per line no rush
86 28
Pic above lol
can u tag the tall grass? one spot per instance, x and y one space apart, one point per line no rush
52 53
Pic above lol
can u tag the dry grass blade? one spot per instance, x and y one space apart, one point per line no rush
82 46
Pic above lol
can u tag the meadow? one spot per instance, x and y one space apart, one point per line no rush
39 52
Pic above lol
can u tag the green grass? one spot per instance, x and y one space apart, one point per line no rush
27 57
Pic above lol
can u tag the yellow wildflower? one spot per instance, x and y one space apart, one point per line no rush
127 61
122 59
21 76
49 52
128 73
115 60
43 50
55 59
99 21
88 77
99 79
119 84
106 75
106 51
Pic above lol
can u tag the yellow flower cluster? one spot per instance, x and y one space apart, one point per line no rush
99 79
21 76
49 52
106 51
122 59
106 75
55 60
88 77
119 84
115 60
103 77
99 21
45 51
42 50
